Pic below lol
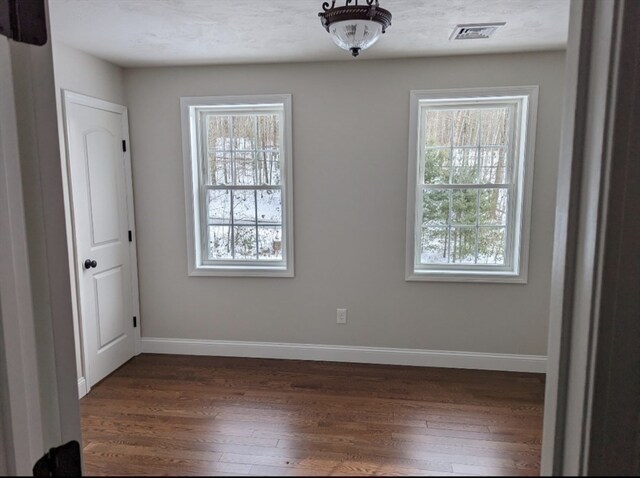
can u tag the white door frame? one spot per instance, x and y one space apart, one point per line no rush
21 405
39 403
592 49
71 97
583 190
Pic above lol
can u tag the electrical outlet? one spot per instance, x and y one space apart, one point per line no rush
341 317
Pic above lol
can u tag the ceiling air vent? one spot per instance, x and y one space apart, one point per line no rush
475 31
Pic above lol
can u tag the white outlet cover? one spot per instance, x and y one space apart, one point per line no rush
341 316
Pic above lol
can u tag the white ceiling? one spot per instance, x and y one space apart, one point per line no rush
187 32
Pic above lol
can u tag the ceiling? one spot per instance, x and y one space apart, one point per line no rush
190 32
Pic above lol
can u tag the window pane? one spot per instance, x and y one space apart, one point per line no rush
435 206
269 132
270 243
276 177
493 207
220 168
244 207
438 127
268 169
244 242
494 126
466 124
244 132
218 133
437 163
464 165
493 166
491 245
435 245
219 203
219 242
463 245
269 206
244 168
464 206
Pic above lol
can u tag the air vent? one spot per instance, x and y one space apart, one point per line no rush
475 31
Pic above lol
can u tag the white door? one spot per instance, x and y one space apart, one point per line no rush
100 190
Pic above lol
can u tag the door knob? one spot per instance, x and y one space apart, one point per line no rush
89 264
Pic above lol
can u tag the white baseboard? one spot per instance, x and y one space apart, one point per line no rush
342 353
82 387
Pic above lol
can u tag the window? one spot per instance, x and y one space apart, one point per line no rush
238 185
470 171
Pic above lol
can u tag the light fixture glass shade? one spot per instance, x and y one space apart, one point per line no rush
355 35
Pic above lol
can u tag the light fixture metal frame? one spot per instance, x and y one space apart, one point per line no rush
352 11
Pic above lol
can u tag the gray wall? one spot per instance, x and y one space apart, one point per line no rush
83 73
350 146
77 71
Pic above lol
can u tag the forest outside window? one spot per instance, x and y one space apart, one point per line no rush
470 184
238 182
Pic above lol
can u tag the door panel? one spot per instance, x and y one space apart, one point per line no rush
111 312
101 224
102 182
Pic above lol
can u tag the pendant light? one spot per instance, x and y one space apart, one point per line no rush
355 27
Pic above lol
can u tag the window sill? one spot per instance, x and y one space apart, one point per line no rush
466 276
235 271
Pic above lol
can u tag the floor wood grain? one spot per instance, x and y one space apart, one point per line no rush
183 415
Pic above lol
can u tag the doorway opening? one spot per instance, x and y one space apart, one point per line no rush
112 85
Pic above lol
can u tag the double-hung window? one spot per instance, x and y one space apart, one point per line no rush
470 171
238 185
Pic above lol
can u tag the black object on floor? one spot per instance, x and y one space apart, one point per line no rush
63 460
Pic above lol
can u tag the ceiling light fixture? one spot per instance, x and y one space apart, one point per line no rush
355 27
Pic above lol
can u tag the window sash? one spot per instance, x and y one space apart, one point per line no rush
206 222
205 114
205 185
512 164
476 226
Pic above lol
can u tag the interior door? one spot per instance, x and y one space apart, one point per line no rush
98 168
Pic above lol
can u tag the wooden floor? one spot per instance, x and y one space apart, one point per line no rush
179 415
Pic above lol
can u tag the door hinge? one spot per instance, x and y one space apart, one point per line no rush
135 321
130 237
124 146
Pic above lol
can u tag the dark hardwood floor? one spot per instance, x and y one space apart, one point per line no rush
184 415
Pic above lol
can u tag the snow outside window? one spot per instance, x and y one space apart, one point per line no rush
469 190
238 170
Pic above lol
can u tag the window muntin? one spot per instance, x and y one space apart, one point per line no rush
241 199
469 186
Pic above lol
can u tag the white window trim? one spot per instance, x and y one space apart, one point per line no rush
192 188
527 134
